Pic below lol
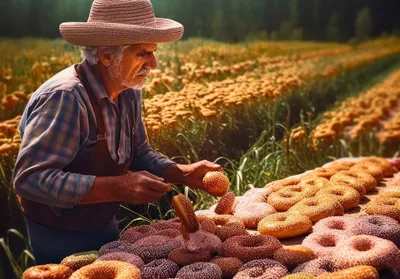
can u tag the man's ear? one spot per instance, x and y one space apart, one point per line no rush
105 58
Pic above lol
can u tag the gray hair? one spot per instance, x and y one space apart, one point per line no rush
91 54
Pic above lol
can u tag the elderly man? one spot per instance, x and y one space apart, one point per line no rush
82 131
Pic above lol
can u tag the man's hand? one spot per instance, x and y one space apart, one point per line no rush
191 174
140 187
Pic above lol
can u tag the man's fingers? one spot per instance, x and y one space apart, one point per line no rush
152 176
158 186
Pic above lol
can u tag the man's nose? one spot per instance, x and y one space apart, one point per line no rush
151 64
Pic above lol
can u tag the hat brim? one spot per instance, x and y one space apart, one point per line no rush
107 34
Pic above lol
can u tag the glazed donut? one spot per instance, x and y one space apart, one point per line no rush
299 275
391 194
339 209
318 266
319 182
356 272
282 200
292 256
341 165
155 247
131 235
338 224
323 243
256 195
365 250
320 172
250 247
182 256
284 225
78 260
161 268
307 190
264 268
279 184
225 203
315 208
184 209
215 183
107 269
348 197
123 257
374 170
48 271
116 246
253 212
384 206
377 225
388 169
360 180
200 271
229 266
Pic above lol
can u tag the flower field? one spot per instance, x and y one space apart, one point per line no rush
263 110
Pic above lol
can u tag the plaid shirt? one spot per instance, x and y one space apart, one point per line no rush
56 125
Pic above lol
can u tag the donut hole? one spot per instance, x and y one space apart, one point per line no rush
296 189
327 241
286 195
281 219
336 225
312 203
337 193
44 268
363 245
389 202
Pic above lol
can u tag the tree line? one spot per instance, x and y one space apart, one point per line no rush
224 20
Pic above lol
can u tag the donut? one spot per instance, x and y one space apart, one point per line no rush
229 266
292 256
155 247
356 272
341 165
184 209
250 247
284 225
205 212
307 190
161 268
360 180
319 182
201 240
348 197
264 268
365 250
107 269
207 224
200 271
215 183
377 225
315 208
282 200
323 243
318 266
227 227
388 169
251 213
384 206
299 275
182 256
225 203
391 194
168 232
48 271
123 257
78 260
338 224
339 209
374 170
131 235
320 172
279 184
116 246
173 224
257 195
144 229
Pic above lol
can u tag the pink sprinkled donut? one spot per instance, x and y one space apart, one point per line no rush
161 268
169 232
225 203
252 213
323 243
131 235
173 224
365 250
318 266
145 229
123 257
377 225
201 240
256 195
200 271
155 247
229 266
338 224
205 212
250 247
116 246
207 224
263 269
182 256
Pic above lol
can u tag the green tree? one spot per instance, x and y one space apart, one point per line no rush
363 24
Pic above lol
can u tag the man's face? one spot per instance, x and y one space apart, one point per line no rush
130 69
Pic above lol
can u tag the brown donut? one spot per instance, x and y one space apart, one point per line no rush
320 172
182 256
292 256
388 169
284 225
215 183
283 199
361 181
225 204
107 269
384 206
48 271
375 170
229 266
279 184
347 196
315 208
319 182
341 165
184 209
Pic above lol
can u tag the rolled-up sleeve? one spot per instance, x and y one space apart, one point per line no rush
54 129
145 158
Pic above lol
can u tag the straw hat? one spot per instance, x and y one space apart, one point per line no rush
120 22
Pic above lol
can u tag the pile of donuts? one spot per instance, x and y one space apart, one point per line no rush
216 243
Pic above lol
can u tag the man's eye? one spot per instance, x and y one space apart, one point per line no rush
143 53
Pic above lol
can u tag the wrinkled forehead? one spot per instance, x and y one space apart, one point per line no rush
148 47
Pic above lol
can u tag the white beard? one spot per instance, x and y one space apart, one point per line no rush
115 71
